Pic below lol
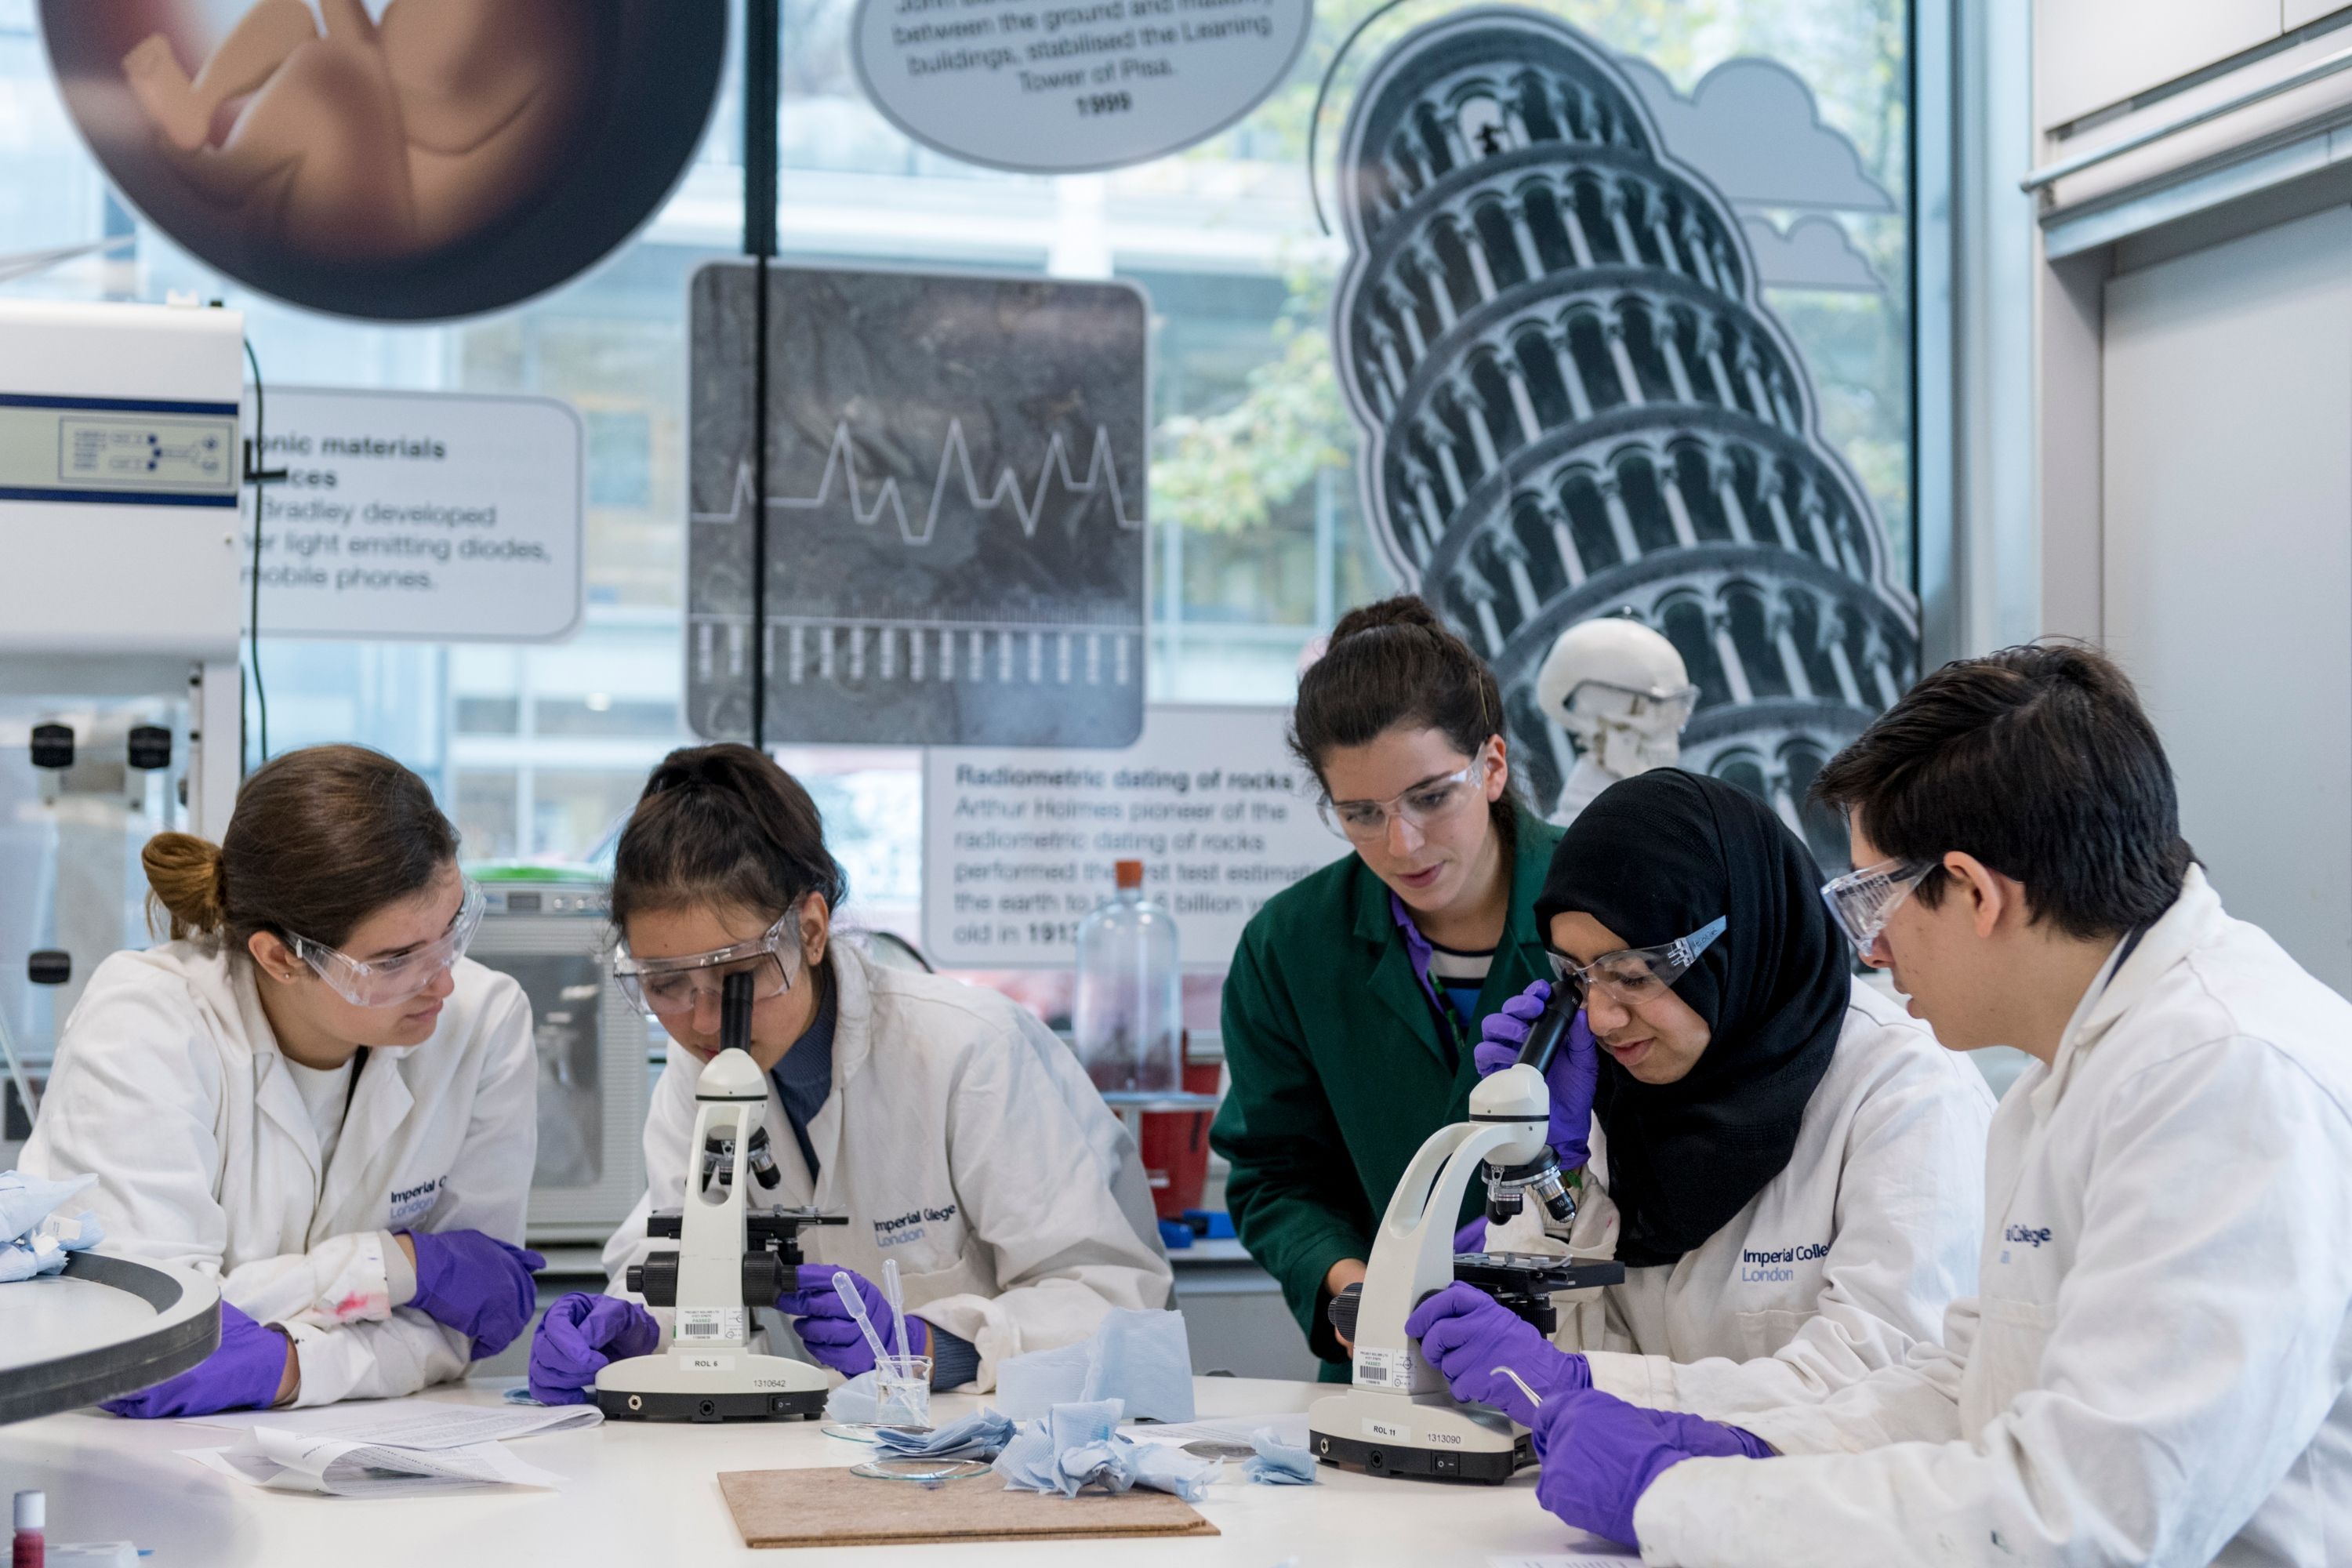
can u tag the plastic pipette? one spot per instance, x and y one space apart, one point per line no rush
892 1294
847 1292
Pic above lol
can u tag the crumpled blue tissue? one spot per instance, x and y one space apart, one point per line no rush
1079 1444
25 1201
1277 1463
34 1239
1142 1359
855 1400
982 1435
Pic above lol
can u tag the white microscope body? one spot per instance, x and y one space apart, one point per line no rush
1623 694
1398 1418
722 1267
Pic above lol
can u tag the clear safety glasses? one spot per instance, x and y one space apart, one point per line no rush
670 987
1863 901
1637 974
1423 805
389 980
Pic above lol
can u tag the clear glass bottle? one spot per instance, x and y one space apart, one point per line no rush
1129 1020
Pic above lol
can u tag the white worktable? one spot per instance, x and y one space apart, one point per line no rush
644 1494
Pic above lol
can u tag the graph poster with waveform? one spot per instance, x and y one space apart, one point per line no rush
954 509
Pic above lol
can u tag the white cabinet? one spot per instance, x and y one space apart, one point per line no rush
2089 54
2227 560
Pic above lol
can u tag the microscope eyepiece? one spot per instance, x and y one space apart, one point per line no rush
1550 1027
735 1012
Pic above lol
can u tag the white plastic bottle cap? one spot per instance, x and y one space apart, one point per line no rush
32 1511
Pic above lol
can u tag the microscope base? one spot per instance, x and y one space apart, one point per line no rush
742 1387
1390 1434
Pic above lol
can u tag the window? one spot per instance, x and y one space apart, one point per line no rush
1257 542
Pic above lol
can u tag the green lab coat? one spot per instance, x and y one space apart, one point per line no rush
1338 1071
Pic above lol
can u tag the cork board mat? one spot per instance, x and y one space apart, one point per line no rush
833 1508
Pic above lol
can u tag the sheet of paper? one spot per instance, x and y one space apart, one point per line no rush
413 1422
297 1461
1235 1430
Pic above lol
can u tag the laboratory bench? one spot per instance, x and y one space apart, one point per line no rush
1234 1310
648 1494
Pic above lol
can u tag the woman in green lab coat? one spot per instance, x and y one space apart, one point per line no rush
1354 998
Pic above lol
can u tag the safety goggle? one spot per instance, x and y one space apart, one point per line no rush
1863 901
388 981
1634 975
673 987
1637 703
1423 805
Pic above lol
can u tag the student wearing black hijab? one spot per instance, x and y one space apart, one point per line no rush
1790 1167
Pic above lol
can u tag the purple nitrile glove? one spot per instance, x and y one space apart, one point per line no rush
580 1336
475 1284
1472 1238
1469 1336
1574 1073
828 1330
1601 1454
242 1374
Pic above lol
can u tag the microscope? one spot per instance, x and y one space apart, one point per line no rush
729 1260
1398 1418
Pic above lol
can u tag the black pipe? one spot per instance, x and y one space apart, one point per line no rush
762 103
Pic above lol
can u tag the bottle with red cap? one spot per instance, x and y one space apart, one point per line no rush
1128 1021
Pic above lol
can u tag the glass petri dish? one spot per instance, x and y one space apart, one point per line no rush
908 1467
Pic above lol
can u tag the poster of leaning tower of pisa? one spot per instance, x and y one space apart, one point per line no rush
1576 401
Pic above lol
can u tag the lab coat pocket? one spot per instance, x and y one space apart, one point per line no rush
962 1275
1764 1333
2011 1336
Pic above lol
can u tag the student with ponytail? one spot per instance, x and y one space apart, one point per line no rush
1354 1000
310 1093
953 1129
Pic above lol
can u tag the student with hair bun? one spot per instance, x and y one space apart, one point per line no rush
310 1093
953 1129
1355 998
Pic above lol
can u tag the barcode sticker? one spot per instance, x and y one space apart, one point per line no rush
1383 1369
709 1323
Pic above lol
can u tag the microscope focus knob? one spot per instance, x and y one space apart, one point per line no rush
1340 1312
764 1278
656 1278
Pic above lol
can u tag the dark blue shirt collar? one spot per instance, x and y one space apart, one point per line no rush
803 1077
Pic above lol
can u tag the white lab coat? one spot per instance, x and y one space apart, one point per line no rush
961 1138
1837 1268
169 1088
2158 1369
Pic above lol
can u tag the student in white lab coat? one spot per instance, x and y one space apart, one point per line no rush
2158 1367
1790 1169
309 1091
953 1129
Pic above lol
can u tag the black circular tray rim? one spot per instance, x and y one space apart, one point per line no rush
110 1371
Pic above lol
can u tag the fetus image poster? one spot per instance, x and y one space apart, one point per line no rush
394 160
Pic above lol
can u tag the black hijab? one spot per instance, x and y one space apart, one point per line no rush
1654 857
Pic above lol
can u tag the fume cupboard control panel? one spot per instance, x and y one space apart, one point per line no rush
114 449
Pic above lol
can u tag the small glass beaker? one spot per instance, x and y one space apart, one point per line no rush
902 1392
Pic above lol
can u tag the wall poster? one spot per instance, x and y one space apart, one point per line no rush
1059 89
955 509
393 160
1552 331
